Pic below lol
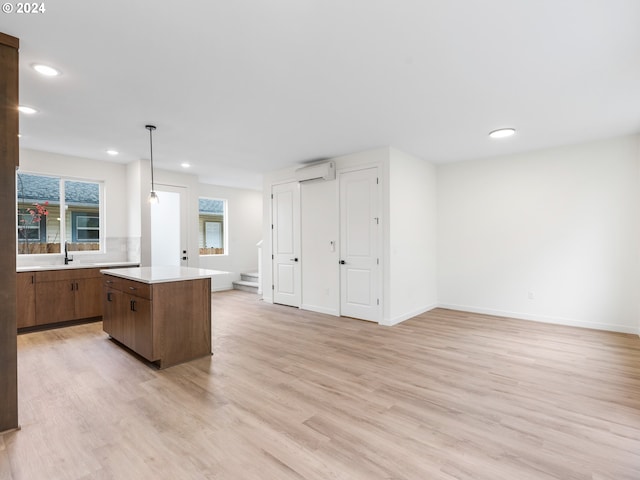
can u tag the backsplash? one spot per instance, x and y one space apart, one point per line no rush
118 249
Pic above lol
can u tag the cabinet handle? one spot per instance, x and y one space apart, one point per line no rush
33 279
108 296
72 288
133 305
77 288
133 288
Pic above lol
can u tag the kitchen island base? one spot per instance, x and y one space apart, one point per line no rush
166 323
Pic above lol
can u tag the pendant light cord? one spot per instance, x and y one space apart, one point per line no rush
151 128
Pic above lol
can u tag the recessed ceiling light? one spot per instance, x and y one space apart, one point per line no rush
27 110
46 70
112 152
185 164
502 133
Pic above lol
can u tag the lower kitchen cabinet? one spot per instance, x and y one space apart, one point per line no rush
26 299
64 295
55 301
88 297
166 323
128 319
54 296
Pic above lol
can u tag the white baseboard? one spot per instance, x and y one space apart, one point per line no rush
222 288
315 308
406 316
542 318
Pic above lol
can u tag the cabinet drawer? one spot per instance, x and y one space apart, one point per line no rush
67 274
112 282
55 275
138 289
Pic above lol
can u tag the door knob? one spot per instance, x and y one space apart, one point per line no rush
294 259
342 262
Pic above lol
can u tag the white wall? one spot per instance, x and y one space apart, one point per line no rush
550 236
244 209
134 210
411 276
114 178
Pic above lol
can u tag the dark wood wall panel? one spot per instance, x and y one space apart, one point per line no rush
8 163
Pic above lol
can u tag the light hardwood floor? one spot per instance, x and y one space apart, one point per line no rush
296 395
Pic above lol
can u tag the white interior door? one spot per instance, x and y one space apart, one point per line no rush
169 228
285 204
359 245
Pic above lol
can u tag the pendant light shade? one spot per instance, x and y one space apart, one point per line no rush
153 196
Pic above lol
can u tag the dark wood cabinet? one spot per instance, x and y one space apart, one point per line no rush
166 323
88 297
55 301
65 295
141 321
128 318
113 313
26 299
55 296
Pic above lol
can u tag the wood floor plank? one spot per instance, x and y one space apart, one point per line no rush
290 394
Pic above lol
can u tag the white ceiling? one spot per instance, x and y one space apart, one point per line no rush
242 87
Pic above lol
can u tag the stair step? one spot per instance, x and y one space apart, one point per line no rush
249 277
246 286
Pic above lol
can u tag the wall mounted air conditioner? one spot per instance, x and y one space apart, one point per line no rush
317 171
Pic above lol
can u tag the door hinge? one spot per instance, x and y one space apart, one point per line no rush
377 261
377 301
377 181
273 287
272 226
272 257
377 220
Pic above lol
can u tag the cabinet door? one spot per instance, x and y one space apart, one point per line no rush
26 298
115 312
55 301
88 298
141 326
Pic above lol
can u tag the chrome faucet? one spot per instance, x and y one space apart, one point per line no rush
66 256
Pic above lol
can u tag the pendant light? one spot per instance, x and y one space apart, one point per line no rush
153 196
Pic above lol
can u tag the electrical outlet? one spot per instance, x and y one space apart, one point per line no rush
531 296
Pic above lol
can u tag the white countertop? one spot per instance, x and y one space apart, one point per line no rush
162 274
74 265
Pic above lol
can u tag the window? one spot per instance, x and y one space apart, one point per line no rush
53 210
31 228
212 226
85 227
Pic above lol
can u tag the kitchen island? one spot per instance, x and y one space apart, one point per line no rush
161 313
